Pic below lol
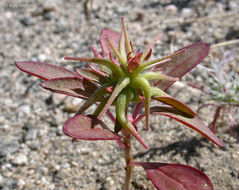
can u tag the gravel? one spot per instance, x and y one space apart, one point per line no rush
35 154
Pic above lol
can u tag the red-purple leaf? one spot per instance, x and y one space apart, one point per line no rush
187 120
72 86
175 176
181 64
175 103
44 70
88 128
104 36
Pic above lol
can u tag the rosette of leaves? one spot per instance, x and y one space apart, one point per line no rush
119 76
224 85
223 91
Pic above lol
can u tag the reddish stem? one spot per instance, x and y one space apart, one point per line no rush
110 115
216 115
231 123
137 109
128 159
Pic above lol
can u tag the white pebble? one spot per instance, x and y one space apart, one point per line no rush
171 8
42 57
187 12
76 101
25 109
232 5
19 160
21 183
1 178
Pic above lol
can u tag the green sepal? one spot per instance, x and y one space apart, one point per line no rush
143 84
121 108
100 106
118 126
122 48
136 98
123 82
158 60
99 92
127 42
101 61
157 76
117 53
91 75
155 91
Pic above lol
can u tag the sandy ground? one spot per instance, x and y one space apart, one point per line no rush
34 152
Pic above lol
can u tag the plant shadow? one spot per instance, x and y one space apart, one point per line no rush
187 149
234 131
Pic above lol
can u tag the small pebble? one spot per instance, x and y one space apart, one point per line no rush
1 178
9 148
171 8
19 160
187 12
24 110
49 6
233 5
42 57
34 145
76 101
27 21
21 183
31 134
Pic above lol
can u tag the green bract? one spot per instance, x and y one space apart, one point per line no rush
127 77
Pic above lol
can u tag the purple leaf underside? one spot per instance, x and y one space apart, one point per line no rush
88 128
175 176
104 36
44 71
187 120
77 87
181 64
